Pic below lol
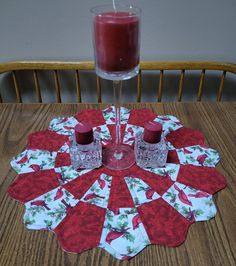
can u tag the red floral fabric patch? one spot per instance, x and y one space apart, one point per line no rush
62 159
93 117
82 227
29 186
172 157
80 185
159 183
184 137
204 178
46 140
164 225
119 194
140 117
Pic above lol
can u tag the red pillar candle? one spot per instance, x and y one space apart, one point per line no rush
116 37
83 133
152 132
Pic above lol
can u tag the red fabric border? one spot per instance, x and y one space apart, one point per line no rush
46 140
140 117
91 116
29 186
199 177
81 229
184 137
164 225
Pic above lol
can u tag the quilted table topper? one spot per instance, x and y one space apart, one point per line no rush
119 211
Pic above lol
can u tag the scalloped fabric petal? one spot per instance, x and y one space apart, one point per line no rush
46 140
183 137
94 117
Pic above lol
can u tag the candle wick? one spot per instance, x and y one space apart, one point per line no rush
114 5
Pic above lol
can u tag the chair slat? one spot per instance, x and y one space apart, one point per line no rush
160 86
78 91
37 87
99 94
139 86
17 89
161 66
201 83
220 91
181 85
57 86
0 98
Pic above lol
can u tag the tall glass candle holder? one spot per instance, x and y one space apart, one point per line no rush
116 39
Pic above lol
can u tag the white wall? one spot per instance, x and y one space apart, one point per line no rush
171 29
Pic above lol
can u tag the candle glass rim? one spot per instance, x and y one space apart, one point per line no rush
103 8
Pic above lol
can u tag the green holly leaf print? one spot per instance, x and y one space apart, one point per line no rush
136 201
199 212
191 159
67 193
122 226
51 214
48 224
209 161
131 211
32 157
142 189
95 201
108 226
210 216
123 216
185 210
176 206
109 216
43 164
129 237
28 221
60 212
172 196
35 210
172 171
92 188
131 250
47 197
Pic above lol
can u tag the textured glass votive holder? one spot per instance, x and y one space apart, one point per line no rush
87 155
150 154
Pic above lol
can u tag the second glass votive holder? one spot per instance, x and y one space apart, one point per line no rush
152 155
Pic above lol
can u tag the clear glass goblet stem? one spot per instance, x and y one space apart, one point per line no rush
117 86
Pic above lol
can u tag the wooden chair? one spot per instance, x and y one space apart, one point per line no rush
77 67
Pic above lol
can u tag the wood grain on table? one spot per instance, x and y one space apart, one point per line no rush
208 243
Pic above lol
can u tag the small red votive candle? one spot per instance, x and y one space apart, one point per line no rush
152 132
83 133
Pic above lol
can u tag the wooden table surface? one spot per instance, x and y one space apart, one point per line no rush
208 243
